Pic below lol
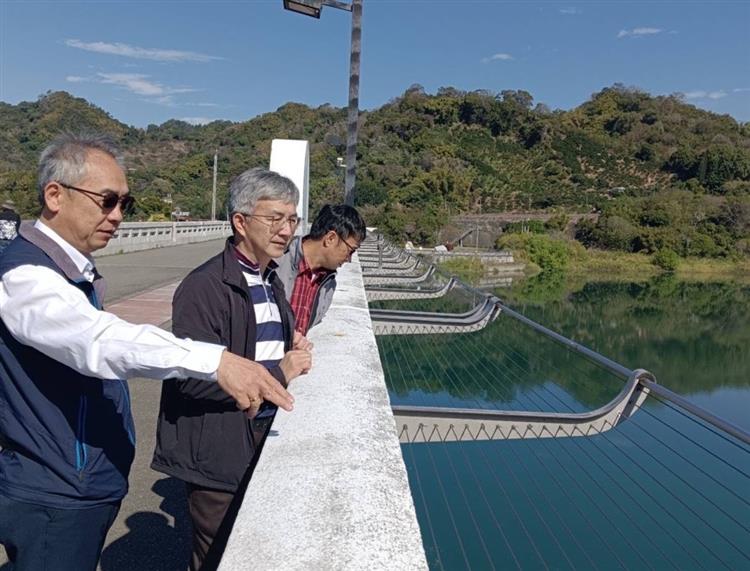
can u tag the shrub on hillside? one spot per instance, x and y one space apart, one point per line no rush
666 259
557 222
609 232
548 253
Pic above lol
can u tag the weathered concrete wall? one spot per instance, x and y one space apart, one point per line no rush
330 490
486 228
135 236
500 257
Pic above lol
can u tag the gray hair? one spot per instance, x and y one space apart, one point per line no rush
64 159
260 184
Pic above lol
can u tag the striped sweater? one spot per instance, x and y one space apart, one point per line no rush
269 337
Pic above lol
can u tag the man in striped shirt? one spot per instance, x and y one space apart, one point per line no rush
234 299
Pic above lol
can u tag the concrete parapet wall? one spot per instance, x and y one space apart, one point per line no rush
134 236
330 490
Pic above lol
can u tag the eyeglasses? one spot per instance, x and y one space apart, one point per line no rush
275 222
352 249
110 198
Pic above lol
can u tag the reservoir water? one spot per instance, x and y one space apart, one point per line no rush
661 491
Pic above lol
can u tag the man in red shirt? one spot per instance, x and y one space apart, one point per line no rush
308 268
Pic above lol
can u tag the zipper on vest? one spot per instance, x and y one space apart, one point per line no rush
81 452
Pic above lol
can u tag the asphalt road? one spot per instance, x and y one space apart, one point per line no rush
151 532
128 274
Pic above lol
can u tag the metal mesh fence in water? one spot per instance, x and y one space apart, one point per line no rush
663 490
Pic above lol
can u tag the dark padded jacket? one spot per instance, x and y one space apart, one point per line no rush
201 436
68 439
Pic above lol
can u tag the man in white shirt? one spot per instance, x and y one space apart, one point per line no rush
66 429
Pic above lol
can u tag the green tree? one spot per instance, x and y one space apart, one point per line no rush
667 259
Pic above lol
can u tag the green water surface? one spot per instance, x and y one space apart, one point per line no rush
661 491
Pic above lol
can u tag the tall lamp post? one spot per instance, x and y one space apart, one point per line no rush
213 192
312 8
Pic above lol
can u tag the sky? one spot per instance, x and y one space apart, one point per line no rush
150 61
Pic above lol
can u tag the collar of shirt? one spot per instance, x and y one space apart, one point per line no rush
253 267
318 276
85 264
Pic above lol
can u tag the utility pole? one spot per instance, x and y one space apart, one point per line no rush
353 113
213 195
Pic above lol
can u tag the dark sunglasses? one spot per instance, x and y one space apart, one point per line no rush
110 198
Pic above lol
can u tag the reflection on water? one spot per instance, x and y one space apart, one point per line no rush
661 491
504 366
693 336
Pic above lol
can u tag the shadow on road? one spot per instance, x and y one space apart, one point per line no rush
151 542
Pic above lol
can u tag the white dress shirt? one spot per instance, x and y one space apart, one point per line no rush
42 310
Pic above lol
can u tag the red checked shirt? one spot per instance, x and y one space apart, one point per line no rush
306 286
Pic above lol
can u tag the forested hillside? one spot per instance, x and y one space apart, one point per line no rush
664 174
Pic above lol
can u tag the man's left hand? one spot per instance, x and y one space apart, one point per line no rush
301 342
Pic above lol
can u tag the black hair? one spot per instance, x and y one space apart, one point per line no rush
342 219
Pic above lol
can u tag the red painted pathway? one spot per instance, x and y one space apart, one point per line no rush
152 306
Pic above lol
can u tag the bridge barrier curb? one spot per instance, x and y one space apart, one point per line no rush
330 490
135 236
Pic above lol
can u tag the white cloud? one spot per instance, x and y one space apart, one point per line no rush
137 52
569 11
740 89
167 100
197 120
497 57
639 32
137 83
700 94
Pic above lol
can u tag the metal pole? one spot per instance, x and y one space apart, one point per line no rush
213 196
353 115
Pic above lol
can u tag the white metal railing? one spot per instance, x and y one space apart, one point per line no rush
133 236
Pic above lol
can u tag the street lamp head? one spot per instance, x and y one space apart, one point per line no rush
307 7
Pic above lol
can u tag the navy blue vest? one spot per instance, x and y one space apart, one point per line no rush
68 439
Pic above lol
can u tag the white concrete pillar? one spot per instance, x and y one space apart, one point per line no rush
291 158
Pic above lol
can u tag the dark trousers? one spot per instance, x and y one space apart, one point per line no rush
38 538
208 509
213 512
